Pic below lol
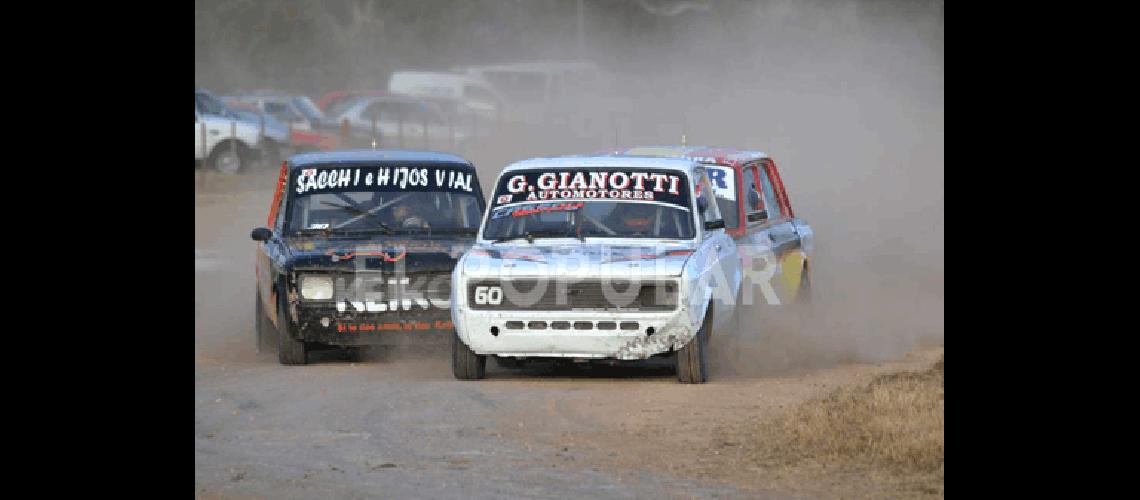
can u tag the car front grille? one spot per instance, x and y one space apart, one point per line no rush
587 295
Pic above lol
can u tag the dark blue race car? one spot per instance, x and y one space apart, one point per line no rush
359 249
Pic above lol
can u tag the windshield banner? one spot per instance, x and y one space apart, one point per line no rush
593 184
307 181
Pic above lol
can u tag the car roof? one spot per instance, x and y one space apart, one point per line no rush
720 156
374 156
612 161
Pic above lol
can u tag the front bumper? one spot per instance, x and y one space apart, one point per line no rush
324 324
580 334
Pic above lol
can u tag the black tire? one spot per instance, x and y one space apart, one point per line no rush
290 351
224 160
692 360
465 364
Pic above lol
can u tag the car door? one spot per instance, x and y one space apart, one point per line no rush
721 249
271 254
795 259
758 252
774 240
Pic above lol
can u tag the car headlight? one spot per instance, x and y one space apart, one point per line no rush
316 287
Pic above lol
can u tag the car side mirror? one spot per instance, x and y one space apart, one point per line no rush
758 215
261 234
714 224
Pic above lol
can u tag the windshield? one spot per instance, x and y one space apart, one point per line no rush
383 199
310 110
209 104
580 203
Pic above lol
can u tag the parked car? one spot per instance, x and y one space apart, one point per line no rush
223 140
328 101
400 121
610 257
466 95
548 92
359 247
277 141
758 215
311 129
299 111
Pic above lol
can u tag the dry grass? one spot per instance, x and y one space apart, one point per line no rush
892 430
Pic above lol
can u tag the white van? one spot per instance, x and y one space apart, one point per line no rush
549 92
473 94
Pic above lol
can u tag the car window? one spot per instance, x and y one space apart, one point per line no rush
208 105
706 197
595 202
281 111
723 181
341 199
752 203
306 107
338 107
770 202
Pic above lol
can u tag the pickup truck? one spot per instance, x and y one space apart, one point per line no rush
603 257
225 141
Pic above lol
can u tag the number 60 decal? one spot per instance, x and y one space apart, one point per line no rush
488 295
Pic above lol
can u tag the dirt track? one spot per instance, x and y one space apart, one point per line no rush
403 427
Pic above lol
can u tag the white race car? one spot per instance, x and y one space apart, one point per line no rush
605 257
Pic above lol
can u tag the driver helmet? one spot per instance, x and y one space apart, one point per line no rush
638 217
407 217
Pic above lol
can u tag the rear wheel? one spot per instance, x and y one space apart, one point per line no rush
290 351
465 364
692 360
227 159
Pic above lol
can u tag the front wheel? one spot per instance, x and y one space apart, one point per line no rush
290 351
465 364
227 159
692 360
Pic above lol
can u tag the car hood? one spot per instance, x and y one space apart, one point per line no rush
412 254
578 260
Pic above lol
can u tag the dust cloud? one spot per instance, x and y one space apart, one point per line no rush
847 97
